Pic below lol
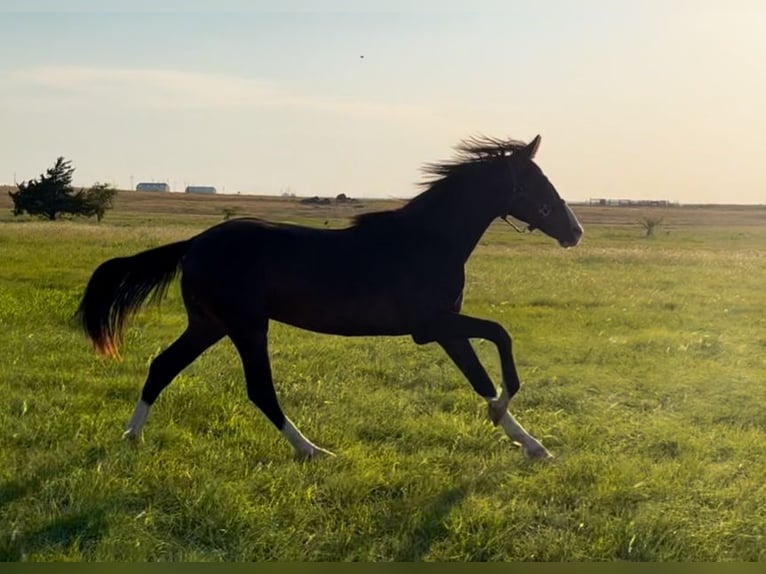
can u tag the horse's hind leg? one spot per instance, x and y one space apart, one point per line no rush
199 335
252 344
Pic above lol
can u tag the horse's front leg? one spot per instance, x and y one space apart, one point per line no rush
463 355
499 415
453 333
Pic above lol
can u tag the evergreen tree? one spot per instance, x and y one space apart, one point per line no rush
52 195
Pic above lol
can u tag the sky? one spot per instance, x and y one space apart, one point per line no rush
640 100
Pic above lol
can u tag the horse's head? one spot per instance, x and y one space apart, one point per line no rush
535 201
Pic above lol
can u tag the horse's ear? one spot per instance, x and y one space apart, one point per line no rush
532 146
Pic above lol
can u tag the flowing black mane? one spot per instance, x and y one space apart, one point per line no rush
471 153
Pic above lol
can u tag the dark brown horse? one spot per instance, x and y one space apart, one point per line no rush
398 272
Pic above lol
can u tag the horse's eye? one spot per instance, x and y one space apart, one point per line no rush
544 210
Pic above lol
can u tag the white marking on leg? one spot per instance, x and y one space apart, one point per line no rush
529 444
499 415
137 421
304 448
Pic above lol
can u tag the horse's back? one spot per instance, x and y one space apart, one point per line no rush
332 281
257 246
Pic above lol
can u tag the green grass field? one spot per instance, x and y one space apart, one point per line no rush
643 371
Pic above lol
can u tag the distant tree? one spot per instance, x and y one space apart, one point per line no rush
649 224
229 212
52 195
48 196
97 199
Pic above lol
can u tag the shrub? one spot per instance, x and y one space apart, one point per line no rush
649 224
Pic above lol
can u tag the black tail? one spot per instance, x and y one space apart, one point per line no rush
119 286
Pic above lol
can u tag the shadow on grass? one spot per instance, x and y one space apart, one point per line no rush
431 527
80 527
12 490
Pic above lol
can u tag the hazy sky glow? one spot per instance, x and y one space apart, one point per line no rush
652 99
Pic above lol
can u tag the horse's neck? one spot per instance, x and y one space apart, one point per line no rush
462 222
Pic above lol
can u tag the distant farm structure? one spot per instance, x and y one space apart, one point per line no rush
339 199
152 186
201 189
632 202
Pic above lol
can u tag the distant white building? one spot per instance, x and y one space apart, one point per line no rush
146 186
203 189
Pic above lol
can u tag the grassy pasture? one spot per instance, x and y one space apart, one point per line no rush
643 368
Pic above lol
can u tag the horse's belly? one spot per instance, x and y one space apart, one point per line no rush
349 316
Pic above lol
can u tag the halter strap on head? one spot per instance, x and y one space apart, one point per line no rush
511 223
516 189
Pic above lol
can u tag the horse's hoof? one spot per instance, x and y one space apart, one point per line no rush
313 454
131 435
538 452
